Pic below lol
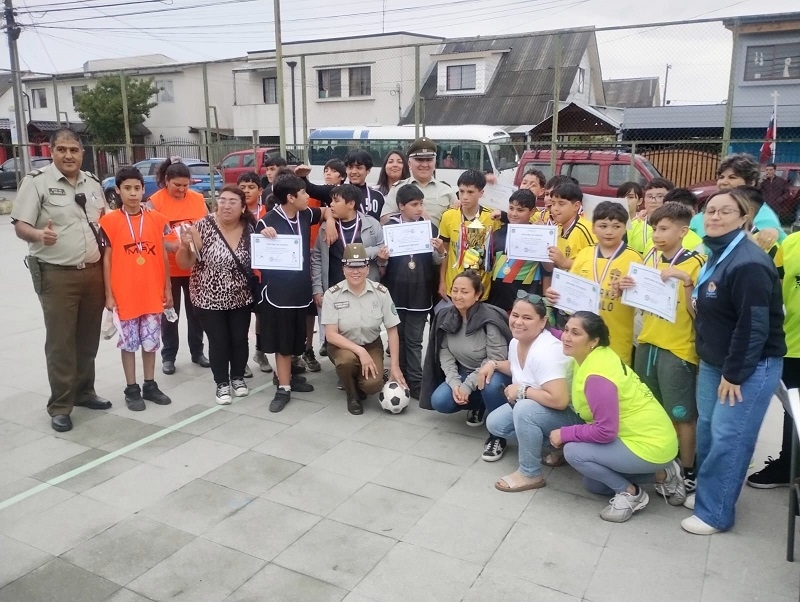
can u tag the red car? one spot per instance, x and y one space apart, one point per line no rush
235 164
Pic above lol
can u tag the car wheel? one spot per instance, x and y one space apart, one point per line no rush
112 198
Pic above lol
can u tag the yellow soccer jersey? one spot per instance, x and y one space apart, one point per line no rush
541 216
678 337
617 316
450 232
575 238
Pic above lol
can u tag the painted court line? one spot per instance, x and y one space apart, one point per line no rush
115 454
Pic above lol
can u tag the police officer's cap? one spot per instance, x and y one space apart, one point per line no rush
355 255
422 148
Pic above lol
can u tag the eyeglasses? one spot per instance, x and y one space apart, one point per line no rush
723 211
654 197
228 201
532 298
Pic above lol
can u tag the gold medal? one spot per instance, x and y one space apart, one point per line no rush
140 260
411 265
506 270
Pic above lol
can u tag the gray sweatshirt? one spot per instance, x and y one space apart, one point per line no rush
471 352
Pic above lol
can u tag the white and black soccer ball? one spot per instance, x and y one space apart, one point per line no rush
394 398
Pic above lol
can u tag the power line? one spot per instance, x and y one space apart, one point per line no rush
45 9
160 10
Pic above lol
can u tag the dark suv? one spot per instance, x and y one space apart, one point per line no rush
10 172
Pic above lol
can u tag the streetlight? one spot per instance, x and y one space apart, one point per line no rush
292 65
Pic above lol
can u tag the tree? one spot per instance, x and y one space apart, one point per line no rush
100 107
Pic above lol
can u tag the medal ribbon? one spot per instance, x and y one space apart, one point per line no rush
652 255
608 263
355 228
138 243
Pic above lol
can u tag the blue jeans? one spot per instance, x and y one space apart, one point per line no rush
492 396
531 424
726 438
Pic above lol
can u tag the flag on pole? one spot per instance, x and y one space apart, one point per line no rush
768 147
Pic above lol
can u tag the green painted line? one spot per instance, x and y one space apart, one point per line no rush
116 454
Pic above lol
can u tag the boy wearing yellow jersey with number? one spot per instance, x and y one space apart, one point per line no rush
464 249
605 263
574 230
666 360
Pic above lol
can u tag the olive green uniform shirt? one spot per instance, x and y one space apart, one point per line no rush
359 317
46 194
438 198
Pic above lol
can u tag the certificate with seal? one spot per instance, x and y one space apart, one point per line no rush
284 252
575 293
529 242
408 238
651 293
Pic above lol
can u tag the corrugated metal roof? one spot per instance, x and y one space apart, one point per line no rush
707 116
521 89
635 92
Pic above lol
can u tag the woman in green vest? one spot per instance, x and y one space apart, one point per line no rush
628 438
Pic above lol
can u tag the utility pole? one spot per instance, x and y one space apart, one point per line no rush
211 170
13 31
126 119
279 65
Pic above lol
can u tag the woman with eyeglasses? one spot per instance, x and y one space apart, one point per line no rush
740 342
463 338
628 438
181 206
537 399
216 250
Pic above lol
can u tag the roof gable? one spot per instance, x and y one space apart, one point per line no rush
635 92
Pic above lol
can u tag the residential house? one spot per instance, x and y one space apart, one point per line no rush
508 81
366 79
632 92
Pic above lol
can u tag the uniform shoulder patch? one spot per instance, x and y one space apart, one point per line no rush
381 288
335 288
35 172
92 176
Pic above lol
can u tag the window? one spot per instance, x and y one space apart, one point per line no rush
618 174
581 80
543 167
329 82
165 91
77 90
461 77
39 98
270 90
231 161
249 160
360 81
775 62
588 174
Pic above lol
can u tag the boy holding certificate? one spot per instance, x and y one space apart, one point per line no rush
512 275
605 263
666 359
574 230
287 293
467 235
411 281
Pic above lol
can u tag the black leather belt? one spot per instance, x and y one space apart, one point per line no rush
80 266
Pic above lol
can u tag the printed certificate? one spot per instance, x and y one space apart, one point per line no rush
651 293
529 242
408 238
284 252
575 293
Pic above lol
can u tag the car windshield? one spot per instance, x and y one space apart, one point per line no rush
504 154
199 169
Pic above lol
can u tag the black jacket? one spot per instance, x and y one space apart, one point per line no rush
449 321
739 318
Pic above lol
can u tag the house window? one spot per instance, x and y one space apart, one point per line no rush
165 91
461 77
39 98
773 62
329 83
360 81
581 80
270 90
77 90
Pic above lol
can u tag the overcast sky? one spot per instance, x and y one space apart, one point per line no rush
69 32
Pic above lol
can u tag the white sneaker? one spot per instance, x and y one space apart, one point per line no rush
697 526
689 503
672 488
223 394
239 387
622 506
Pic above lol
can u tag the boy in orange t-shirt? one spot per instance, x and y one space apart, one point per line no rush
137 284
180 205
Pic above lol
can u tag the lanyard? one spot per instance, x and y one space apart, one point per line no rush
354 227
292 223
707 270
608 263
138 243
565 232
652 254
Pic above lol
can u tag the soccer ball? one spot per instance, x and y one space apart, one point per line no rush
394 398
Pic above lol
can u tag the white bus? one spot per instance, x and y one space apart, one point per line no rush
459 147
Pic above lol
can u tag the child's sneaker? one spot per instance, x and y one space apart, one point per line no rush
133 398
774 474
475 417
151 392
239 387
493 449
622 506
282 397
260 358
323 349
223 395
248 373
310 360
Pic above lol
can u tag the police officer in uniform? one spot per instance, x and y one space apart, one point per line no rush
352 313
56 213
439 196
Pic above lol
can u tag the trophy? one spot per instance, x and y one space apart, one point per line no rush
475 252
